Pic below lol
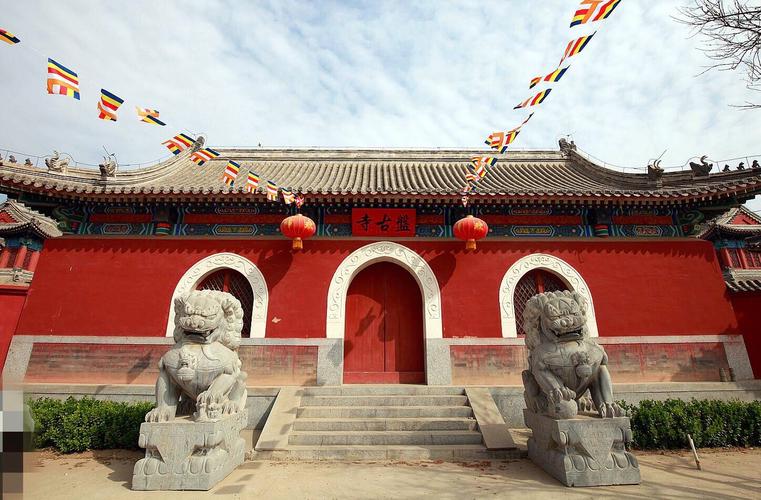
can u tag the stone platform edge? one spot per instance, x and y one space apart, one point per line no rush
509 399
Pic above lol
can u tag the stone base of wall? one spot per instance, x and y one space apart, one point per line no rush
699 358
272 362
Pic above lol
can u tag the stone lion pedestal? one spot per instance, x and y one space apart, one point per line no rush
187 455
192 437
583 451
579 431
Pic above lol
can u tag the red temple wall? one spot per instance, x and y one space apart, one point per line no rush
11 303
110 286
748 310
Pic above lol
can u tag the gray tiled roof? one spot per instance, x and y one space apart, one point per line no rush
744 286
348 172
24 220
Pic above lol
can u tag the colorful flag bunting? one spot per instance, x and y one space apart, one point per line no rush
62 81
553 77
152 120
271 191
585 12
204 155
287 196
253 182
231 172
576 46
589 12
299 201
479 166
500 140
533 101
607 9
148 115
8 37
108 105
469 177
178 143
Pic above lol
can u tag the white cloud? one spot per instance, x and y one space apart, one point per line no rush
380 74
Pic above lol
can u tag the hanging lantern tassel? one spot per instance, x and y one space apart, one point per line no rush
470 229
298 228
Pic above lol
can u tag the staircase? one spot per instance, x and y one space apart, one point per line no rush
366 422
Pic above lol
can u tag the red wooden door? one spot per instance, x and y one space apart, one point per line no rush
383 340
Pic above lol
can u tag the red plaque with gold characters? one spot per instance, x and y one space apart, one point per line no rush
398 222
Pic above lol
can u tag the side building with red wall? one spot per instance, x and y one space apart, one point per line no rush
736 235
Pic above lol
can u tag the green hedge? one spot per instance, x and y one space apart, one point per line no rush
87 424
712 423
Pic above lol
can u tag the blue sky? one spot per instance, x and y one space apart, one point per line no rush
367 74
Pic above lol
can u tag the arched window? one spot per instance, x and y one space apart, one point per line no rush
231 281
533 282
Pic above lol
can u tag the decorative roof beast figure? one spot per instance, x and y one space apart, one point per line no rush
201 373
563 361
56 164
701 169
109 166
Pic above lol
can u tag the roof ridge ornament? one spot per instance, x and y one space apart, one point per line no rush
701 169
110 166
56 164
566 146
198 145
655 173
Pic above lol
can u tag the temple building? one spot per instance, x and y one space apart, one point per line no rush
383 292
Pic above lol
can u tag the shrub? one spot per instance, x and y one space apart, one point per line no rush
87 424
711 423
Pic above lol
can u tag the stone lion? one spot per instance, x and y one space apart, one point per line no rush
563 361
201 374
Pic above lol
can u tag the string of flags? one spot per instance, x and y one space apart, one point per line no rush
588 11
61 80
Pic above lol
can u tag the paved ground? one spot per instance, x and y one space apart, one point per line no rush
107 475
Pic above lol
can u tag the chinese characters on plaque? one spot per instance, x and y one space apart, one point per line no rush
383 222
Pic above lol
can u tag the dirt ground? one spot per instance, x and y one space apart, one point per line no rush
106 475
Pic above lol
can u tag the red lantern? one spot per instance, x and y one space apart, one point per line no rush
297 227
470 229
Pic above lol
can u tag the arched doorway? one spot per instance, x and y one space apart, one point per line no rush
533 282
233 282
384 337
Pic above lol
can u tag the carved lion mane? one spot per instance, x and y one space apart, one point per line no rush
218 313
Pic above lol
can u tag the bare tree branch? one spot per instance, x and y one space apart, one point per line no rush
732 33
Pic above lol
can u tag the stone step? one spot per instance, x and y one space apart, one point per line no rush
381 438
384 400
333 412
384 390
354 453
385 424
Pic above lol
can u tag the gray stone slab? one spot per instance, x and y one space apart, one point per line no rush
278 426
182 454
495 432
583 451
330 358
17 359
438 362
